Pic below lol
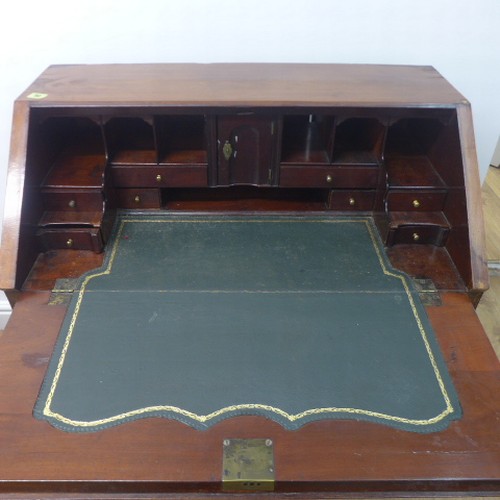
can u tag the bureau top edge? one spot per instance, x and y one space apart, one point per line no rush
243 85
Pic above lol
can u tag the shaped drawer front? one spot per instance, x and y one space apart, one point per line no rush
159 176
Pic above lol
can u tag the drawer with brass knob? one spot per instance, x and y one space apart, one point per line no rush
347 199
422 235
329 176
143 198
418 200
154 176
71 239
72 199
422 228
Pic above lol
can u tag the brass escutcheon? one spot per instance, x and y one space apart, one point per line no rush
227 150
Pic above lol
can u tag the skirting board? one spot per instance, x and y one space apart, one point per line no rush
5 310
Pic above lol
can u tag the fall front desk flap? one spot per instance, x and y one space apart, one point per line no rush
203 318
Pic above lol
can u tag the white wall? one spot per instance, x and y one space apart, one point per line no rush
458 37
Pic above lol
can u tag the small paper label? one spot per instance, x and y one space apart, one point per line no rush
37 95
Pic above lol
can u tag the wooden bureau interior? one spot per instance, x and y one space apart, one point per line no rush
392 143
401 166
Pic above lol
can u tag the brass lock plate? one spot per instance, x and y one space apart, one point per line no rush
248 465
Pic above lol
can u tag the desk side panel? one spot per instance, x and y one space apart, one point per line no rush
479 281
9 248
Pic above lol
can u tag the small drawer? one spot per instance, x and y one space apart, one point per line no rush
77 200
336 177
138 198
71 239
351 200
416 200
159 176
417 234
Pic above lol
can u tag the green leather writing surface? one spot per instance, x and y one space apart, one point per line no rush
205 318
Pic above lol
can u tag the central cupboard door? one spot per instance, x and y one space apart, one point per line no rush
247 149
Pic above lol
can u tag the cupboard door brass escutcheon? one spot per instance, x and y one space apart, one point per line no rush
227 150
248 465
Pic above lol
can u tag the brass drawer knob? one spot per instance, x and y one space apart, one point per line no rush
352 202
329 178
415 236
158 178
69 243
137 198
72 204
415 203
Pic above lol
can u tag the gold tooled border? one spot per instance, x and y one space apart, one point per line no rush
242 407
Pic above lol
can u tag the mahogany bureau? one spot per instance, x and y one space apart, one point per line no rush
394 143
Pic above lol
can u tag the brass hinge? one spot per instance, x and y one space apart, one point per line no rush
248 465
427 291
63 291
